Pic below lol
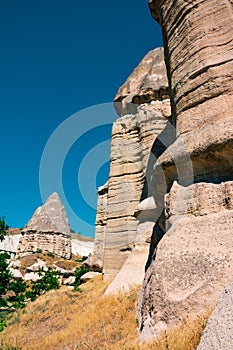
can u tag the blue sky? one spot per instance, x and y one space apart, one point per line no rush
58 58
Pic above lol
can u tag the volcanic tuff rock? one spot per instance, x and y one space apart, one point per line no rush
95 261
218 334
147 83
199 57
47 230
80 246
194 260
132 139
10 244
144 108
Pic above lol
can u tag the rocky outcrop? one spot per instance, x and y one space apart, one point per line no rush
144 110
10 244
95 261
199 57
193 261
82 245
147 83
47 230
132 140
218 334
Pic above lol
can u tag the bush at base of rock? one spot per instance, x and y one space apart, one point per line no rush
11 290
78 274
48 281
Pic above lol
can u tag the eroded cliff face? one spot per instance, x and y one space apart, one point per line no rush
193 261
96 259
47 230
144 109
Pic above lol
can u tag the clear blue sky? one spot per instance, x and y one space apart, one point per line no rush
57 58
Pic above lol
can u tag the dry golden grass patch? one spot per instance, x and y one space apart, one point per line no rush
50 260
88 320
26 261
67 264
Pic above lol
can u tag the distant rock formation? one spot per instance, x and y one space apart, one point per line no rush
81 245
218 334
194 260
47 230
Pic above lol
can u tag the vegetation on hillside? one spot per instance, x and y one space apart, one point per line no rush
88 320
3 228
16 293
83 318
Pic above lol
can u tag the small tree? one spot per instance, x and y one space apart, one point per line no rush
9 284
5 277
49 280
79 272
11 291
3 228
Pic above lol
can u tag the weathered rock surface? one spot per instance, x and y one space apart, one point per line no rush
199 57
51 217
10 244
32 276
132 140
89 275
81 245
47 230
69 281
95 261
38 266
194 260
145 109
132 272
218 334
15 264
147 83
16 273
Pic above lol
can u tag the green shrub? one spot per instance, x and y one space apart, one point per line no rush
78 274
48 281
11 291
51 255
3 228
2 324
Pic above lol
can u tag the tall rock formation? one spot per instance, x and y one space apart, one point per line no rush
47 230
194 260
95 261
123 234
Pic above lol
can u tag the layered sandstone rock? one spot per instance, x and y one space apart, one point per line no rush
199 56
47 230
132 140
143 105
147 83
193 261
95 261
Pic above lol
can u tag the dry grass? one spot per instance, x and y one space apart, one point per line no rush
67 264
87 320
50 260
27 261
